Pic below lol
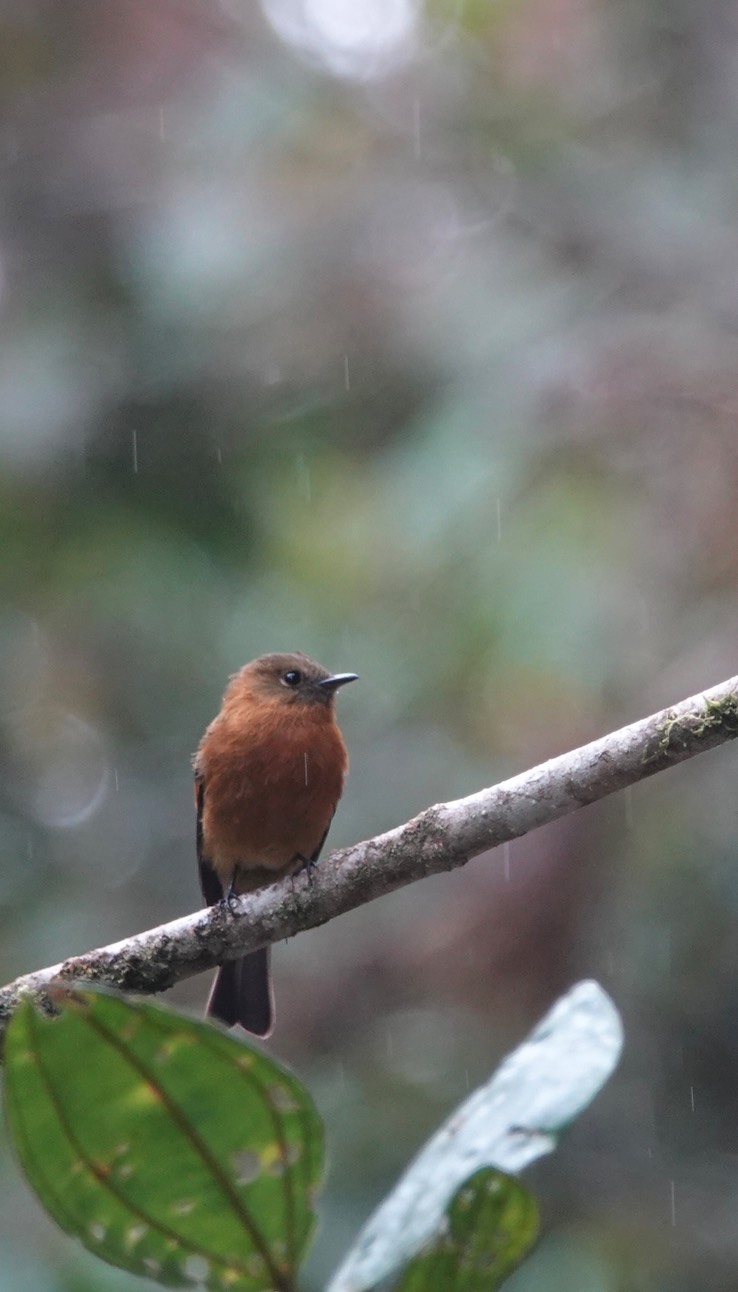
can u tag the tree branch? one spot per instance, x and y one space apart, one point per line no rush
441 838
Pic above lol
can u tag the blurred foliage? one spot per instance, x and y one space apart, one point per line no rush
507 1123
174 1151
492 1224
178 1151
410 343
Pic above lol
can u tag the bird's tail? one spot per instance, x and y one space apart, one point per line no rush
242 993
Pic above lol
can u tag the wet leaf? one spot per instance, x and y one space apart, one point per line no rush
507 1123
167 1146
490 1225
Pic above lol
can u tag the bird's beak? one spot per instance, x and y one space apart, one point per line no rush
338 679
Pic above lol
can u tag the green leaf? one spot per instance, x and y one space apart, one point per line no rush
167 1146
491 1224
507 1123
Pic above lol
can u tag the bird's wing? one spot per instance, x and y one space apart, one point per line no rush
209 882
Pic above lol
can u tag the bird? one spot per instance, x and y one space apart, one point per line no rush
269 771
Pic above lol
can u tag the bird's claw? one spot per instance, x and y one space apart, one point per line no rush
306 867
230 900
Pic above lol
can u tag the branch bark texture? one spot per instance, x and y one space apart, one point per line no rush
440 838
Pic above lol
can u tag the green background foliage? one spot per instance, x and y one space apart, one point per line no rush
412 347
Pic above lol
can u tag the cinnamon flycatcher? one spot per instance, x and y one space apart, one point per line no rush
269 772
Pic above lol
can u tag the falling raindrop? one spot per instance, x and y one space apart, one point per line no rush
134 437
416 127
499 520
506 860
346 373
672 1187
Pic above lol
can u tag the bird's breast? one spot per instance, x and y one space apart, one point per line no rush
270 790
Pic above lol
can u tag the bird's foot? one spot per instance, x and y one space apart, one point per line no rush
230 899
306 867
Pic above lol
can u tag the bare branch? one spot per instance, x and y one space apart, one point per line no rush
441 838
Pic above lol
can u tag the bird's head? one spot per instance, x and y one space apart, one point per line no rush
291 679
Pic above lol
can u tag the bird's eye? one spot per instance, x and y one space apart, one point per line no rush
292 677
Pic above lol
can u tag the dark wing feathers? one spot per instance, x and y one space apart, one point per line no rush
209 883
